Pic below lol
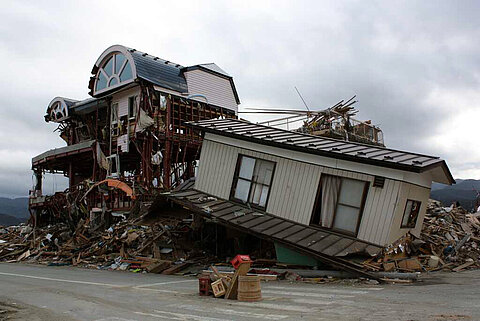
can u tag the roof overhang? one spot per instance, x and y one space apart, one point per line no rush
51 157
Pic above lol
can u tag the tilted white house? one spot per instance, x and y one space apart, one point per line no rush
366 192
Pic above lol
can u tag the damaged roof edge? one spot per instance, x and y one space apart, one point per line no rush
229 131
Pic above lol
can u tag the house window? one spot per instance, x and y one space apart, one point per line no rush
252 181
410 214
114 71
113 166
339 204
132 107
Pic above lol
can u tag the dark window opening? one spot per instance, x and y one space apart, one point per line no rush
410 215
252 181
132 107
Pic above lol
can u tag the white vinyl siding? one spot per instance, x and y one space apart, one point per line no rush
122 99
295 184
218 90
412 192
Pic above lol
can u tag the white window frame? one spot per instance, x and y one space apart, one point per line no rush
253 181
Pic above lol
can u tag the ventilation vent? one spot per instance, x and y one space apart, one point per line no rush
379 181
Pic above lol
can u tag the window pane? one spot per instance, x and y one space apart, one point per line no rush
263 172
346 218
246 167
263 198
101 82
126 73
242 189
259 194
406 214
256 193
108 67
351 192
119 60
112 82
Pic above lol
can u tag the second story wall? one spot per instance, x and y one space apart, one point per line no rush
218 90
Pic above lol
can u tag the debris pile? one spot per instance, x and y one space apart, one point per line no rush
449 240
163 245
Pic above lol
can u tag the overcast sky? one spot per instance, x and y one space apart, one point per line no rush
414 66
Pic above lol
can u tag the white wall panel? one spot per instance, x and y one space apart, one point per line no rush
218 90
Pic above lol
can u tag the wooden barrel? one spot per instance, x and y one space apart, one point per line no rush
249 288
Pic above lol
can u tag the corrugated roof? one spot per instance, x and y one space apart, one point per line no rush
159 71
324 146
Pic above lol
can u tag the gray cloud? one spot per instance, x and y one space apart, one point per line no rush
413 65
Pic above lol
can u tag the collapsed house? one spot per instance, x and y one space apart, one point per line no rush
129 139
315 195
156 130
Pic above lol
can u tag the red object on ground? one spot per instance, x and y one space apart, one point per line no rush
239 259
204 286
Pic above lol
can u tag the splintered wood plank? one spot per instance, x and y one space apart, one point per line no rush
289 231
356 247
338 247
312 239
257 221
267 225
277 228
325 242
294 238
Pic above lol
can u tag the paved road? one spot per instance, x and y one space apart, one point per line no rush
64 293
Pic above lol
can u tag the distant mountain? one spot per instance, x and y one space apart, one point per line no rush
7 220
16 207
465 192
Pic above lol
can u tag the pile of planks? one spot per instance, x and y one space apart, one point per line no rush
449 240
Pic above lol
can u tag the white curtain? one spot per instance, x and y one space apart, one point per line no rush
330 192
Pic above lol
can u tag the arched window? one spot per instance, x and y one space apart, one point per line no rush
114 71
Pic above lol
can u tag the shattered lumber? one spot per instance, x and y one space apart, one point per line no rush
449 240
